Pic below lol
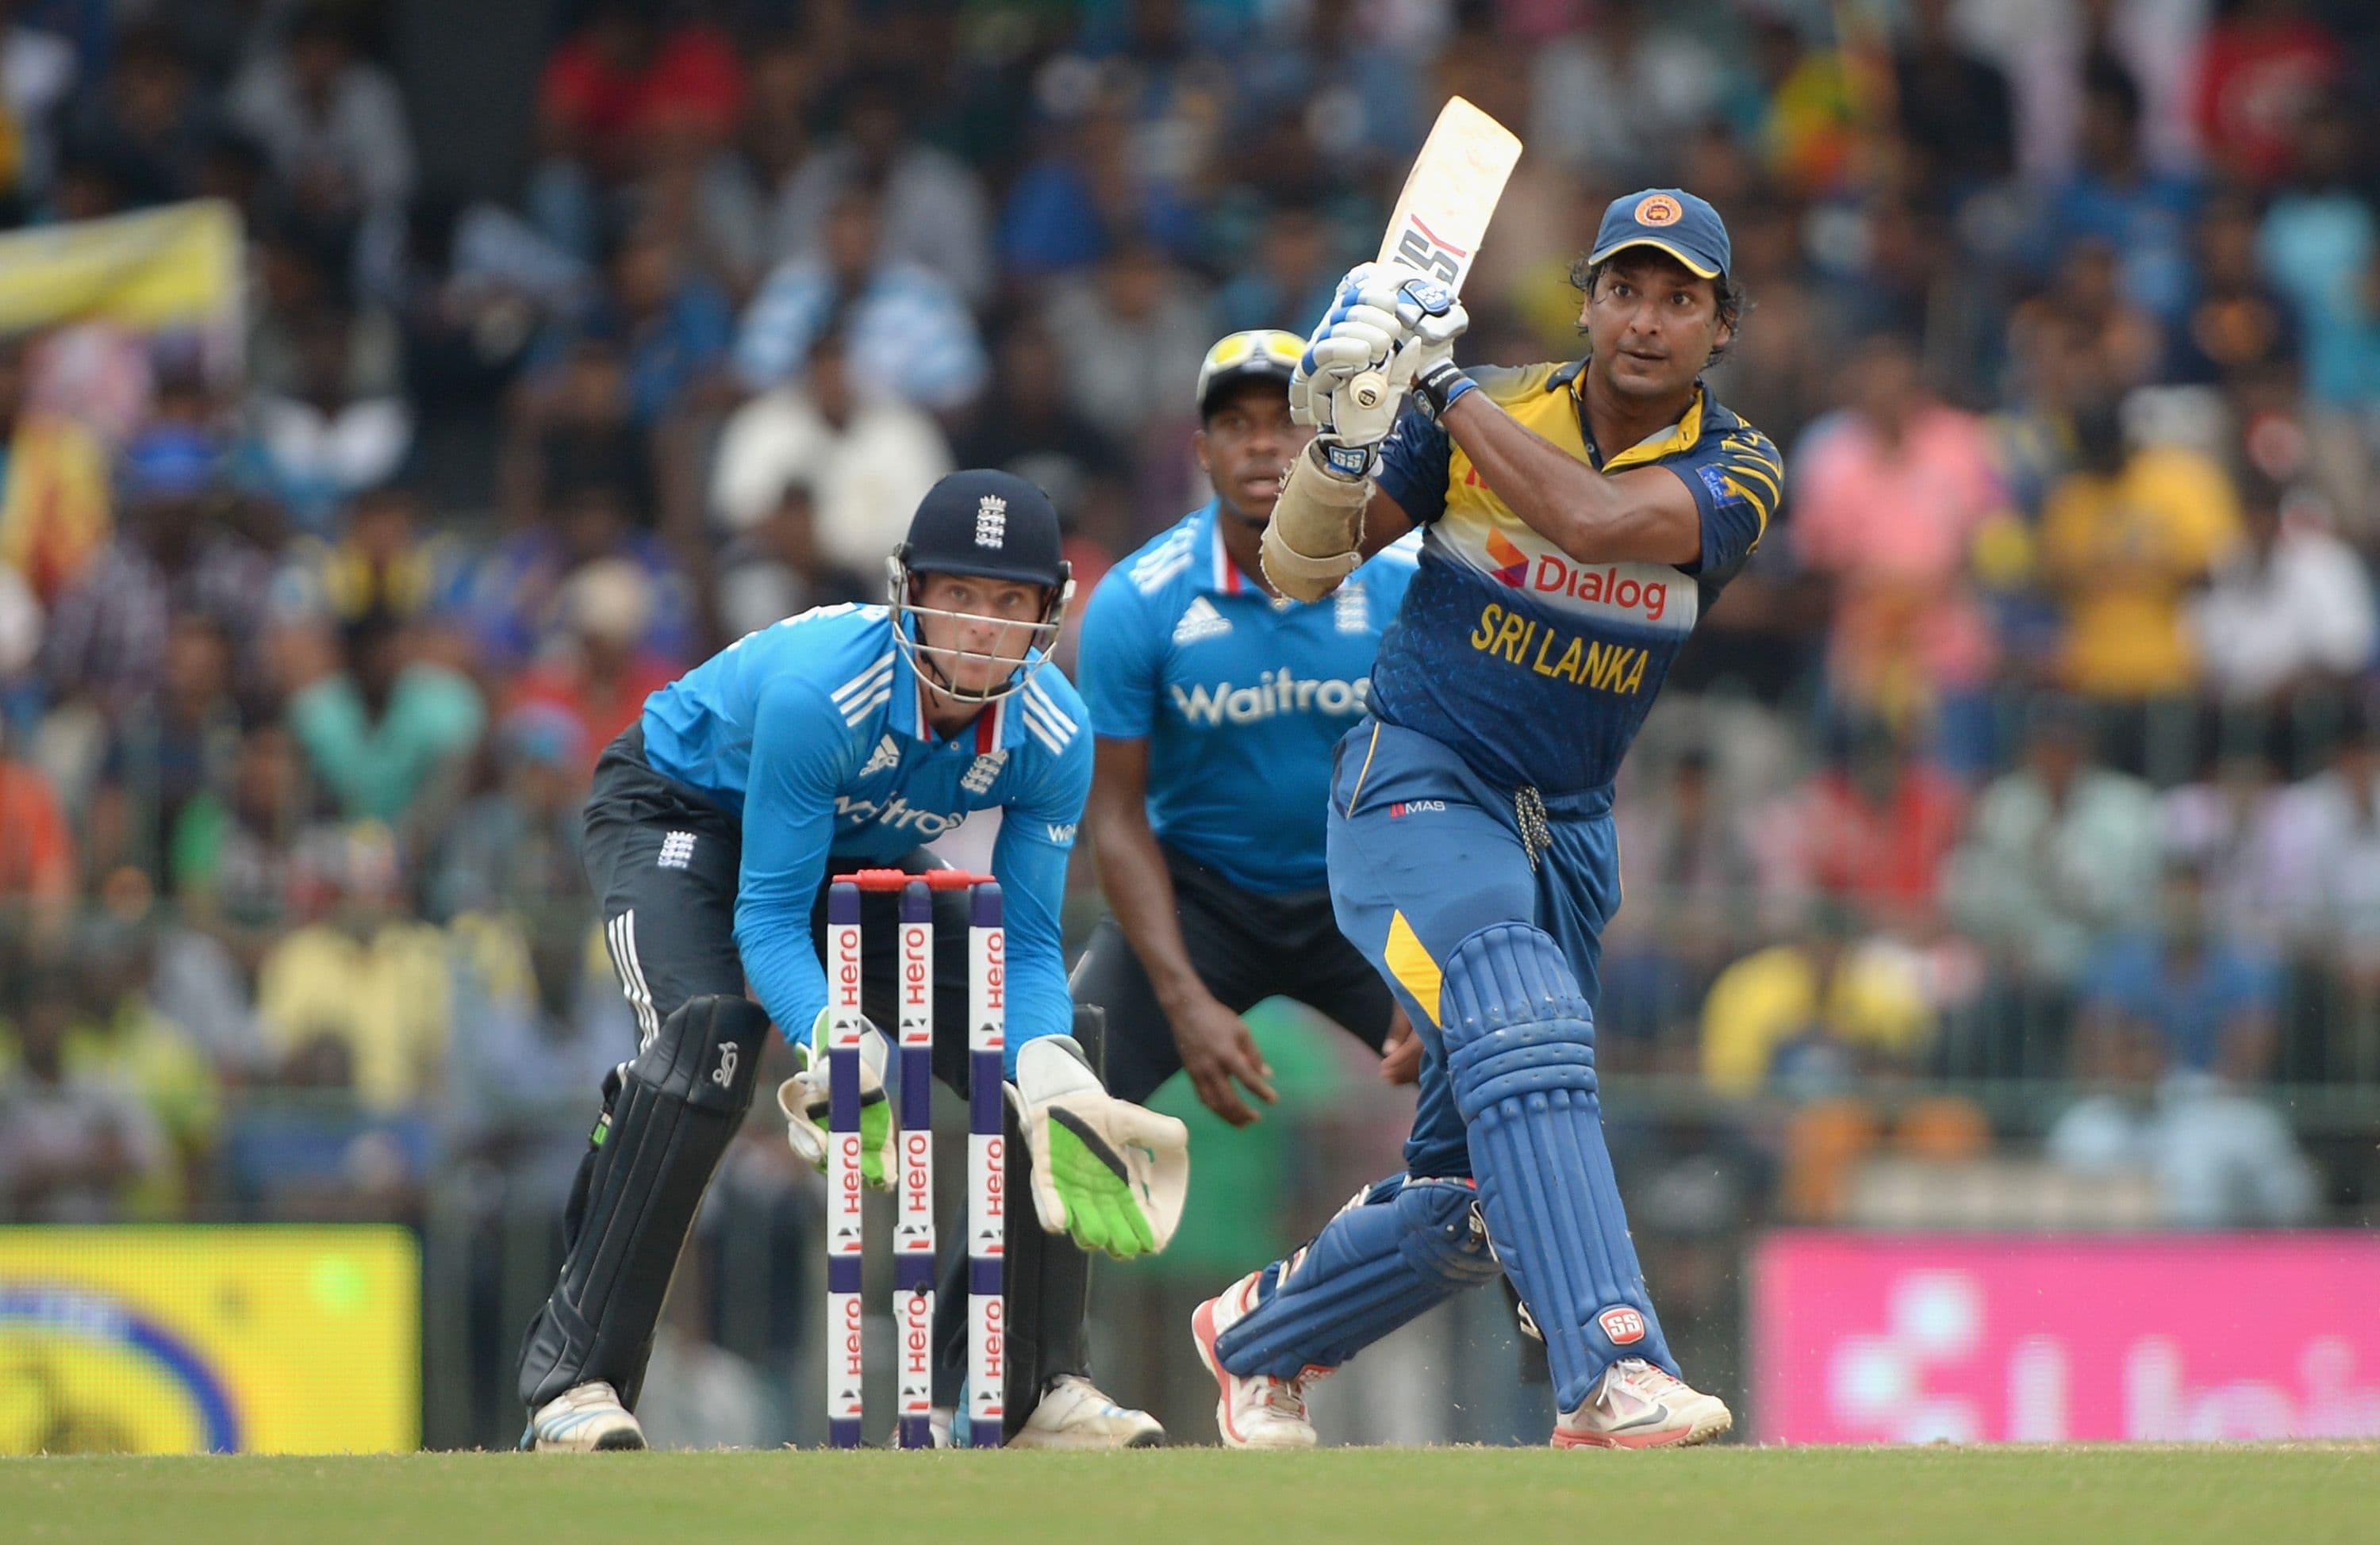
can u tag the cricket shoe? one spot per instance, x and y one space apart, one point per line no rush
1074 1414
1635 1405
1256 1410
583 1419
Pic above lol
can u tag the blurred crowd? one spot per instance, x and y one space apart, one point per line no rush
2035 744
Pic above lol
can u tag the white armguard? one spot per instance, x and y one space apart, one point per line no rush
1317 531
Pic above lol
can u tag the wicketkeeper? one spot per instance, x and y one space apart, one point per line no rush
845 737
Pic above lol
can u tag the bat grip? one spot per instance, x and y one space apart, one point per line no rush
1368 389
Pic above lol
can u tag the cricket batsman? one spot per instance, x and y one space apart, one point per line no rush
1577 519
840 738
1216 701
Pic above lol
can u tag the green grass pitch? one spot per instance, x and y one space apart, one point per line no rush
2297 1494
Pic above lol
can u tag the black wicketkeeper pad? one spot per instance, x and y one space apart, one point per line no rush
667 1120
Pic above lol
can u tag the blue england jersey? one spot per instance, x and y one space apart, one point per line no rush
812 734
1536 669
1240 696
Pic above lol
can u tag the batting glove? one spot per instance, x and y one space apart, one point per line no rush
804 1099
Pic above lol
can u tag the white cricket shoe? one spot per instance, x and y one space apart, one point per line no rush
583 1419
1257 1411
1635 1405
1074 1414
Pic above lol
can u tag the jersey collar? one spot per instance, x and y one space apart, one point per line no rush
1683 435
1219 575
994 729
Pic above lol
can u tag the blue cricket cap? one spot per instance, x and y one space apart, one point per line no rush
1685 227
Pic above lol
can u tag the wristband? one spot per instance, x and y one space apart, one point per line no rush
1441 386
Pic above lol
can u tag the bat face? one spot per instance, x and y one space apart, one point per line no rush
1449 198
1451 194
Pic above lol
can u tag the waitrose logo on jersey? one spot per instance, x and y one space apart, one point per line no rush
1276 693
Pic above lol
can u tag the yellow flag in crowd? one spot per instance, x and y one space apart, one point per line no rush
175 266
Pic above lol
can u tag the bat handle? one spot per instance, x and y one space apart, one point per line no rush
1368 389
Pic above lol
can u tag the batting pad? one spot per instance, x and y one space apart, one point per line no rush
1402 1247
1520 1050
663 1130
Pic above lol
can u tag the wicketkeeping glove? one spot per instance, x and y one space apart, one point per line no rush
1107 1172
803 1098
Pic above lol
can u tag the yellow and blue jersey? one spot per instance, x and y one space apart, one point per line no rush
813 734
1538 669
1240 696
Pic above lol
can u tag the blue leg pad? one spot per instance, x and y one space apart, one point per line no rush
1400 1247
1520 1051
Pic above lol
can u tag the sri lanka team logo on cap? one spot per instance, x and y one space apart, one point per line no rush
1658 209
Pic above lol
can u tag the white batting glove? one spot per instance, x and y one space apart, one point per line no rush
1111 1174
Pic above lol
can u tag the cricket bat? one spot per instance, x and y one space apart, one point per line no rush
1449 196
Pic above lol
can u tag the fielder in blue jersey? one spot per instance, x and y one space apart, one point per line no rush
1577 519
845 737
1216 703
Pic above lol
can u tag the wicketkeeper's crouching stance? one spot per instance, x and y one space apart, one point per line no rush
1577 519
841 739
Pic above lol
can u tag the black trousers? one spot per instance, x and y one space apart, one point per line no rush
1246 947
664 862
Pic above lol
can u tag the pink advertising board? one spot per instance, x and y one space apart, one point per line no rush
1899 1338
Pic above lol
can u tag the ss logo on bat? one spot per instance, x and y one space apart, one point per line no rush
1416 252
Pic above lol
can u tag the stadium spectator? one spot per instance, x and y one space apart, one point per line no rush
865 458
1889 499
2125 537
2320 870
73 1146
1027 425
121 1035
1692 883
332 124
2060 852
2220 1159
1290 281
55 498
1612 99
384 729
670 325
930 205
601 665
172 552
2239 327
1870 832
38 71
773 569
165 754
148 120
513 849
1812 1014
235 857
1135 331
909 333
2291 611
1953 104
2212 1003
2262 66
359 999
331 435
37 848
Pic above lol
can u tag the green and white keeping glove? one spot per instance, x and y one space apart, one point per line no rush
1107 1172
803 1098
